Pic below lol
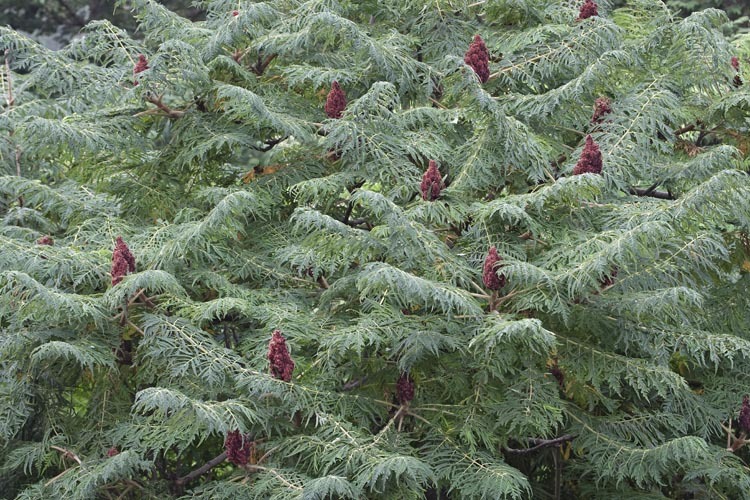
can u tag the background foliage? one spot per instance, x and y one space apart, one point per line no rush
612 364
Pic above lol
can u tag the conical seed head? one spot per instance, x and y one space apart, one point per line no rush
280 362
238 447
602 107
744 420
588 9
590 161
432 183
478 58
405 389
123 261
336 101
489 272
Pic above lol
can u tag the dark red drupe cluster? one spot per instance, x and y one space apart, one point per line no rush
336 101
280 362
432 183
478 57
404 389
602 106
235 13
45 240
123 261
744 421
112 452
558 374
590 161
489 273
238 447
588 9
140 66
609 280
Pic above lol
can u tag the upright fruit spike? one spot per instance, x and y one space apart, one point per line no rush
281 363
557 373
123 261
336 101
478 57
609 280
489 273
588 9
744 421
404 389
602 107
432 183
140 66
590 161
238 447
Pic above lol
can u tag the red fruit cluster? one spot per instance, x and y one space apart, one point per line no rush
432 183
602 106
588 9
235 13
609 280
590 161
238 448
404 389
478 57
112 452
744 421
45 240
489 273
736 65
123 261
281 362
336 101
558 374
140 66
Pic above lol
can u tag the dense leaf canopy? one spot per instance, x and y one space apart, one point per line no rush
303 302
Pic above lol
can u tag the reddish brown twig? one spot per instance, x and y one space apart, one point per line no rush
157 101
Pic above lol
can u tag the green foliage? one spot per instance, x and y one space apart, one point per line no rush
612 364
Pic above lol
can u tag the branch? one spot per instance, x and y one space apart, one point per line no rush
663 195
171 113
269 145
686 128
437 103
539 444
348 213
353 384
734 443
262 64
67 454
356 222
201 470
